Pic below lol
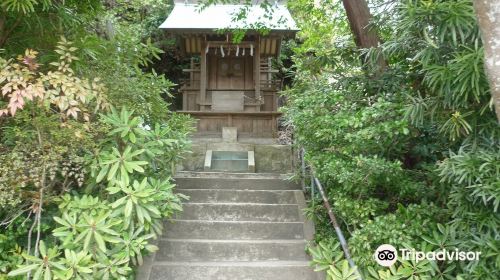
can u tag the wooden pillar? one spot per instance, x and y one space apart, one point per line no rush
269 69
274 128
184 100
191 73
256 77
203 75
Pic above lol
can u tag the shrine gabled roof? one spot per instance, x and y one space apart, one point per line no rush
189 17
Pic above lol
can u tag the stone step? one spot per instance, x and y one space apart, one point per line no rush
240 212
235 183
235 227
233 230
270 270
234 175
196 250
239 196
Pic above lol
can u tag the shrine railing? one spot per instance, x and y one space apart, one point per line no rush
314 187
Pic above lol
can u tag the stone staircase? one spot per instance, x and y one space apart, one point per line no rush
235 226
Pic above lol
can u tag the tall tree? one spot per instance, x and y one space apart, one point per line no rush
359 17
488 14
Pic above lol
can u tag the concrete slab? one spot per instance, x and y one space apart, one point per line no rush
208 161
239 196
230 134
195 250
251 161
233 230
235 183
267 158
240 212
274 158
270 270
193 160
232 147
204 139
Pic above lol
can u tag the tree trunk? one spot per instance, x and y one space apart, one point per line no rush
488 14
3 18
359 17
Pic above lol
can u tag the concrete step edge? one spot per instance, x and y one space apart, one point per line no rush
240 204
237 264
235 184
237 241
238 190
240 196
235 230
240 212
207 251
231 175
232 222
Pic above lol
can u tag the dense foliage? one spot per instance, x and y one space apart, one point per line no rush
87 142
105 230
410 157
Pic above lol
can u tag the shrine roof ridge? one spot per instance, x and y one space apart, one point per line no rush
187 17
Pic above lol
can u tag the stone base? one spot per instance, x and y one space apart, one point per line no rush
266 158
230 134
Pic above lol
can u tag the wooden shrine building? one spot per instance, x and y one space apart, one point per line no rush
230 84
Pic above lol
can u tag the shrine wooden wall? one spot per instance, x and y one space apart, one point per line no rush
249 124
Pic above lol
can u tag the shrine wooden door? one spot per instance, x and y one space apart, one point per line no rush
230 73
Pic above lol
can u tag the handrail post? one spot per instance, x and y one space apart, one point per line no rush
338 231
340 235
302 169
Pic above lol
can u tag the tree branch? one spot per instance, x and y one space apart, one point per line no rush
6 33
29 244
42 188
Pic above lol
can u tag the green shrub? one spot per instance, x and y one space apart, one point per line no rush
106 233
409 157
71 207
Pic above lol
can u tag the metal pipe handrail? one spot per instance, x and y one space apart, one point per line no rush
331 214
